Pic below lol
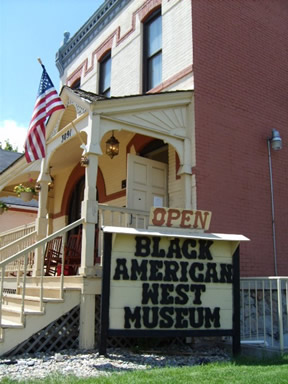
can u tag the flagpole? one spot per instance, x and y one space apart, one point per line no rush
40 62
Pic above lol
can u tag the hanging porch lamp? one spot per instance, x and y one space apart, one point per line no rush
112 146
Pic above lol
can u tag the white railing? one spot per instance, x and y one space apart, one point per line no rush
14 234
21 258
18 245
264 311
122 217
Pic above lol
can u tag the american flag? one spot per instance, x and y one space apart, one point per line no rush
47 102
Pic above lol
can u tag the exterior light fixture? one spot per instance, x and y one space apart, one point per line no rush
274 142
112 146
84 161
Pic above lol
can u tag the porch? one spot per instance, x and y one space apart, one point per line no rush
32 284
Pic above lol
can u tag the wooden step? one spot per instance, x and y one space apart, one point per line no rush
10 324
31 302
48 292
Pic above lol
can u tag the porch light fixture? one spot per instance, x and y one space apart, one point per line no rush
112 146
274 142
84 161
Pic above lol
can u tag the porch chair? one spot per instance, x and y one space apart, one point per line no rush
52 256
72 254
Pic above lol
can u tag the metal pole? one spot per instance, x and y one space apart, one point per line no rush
272 209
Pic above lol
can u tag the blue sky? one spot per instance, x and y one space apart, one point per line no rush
30 29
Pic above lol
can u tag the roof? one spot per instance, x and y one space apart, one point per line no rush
92 97
17 201
7 158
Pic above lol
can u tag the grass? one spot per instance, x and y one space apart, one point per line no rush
240 371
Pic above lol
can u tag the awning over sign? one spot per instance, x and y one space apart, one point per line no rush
166 232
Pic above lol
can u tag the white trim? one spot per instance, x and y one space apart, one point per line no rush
167 232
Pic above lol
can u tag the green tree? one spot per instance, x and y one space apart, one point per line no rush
8 146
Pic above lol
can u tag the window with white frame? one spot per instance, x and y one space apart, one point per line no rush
152 51
105 75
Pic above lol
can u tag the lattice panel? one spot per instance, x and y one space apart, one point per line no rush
61 334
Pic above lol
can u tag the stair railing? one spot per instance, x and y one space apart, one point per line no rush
24 254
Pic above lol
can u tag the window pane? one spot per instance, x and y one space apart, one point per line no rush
154 36
105 76
155 71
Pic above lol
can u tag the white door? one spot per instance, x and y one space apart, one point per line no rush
146 183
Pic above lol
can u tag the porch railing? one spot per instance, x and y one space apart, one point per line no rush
122 217
264 311
14 234
17 245
18 284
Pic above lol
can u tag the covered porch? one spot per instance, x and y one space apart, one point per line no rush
81 188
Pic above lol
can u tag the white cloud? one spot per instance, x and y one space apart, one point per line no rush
14 132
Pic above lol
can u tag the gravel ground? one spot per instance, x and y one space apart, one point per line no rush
90 364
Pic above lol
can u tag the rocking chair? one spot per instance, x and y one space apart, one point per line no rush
52 256
72 254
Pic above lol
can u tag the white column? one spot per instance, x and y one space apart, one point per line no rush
90 215
42 219
186 174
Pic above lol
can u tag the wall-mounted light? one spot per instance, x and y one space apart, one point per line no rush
84 161
112 146
274 142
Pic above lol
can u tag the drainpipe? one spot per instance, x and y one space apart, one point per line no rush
275 142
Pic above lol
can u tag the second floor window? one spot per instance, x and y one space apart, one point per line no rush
152 68
105 75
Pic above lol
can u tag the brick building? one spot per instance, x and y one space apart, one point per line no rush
190 90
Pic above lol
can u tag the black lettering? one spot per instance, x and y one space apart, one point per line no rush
166 321
226 273
149 322
212 317
155 275
204 251
189 253
198 289
174 249
180 318
184 266
211 275
129 317
198 278
150 293
139 270
121 270
171 269
156 251
196 317
182 298
142 246
166 298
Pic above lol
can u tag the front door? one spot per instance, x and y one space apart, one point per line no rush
146 183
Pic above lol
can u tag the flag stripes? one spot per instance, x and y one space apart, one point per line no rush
46 103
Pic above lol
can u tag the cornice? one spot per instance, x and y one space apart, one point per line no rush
87 32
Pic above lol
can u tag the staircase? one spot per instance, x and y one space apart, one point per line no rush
23 318
28 304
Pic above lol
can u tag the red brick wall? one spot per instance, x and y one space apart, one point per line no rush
241 92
